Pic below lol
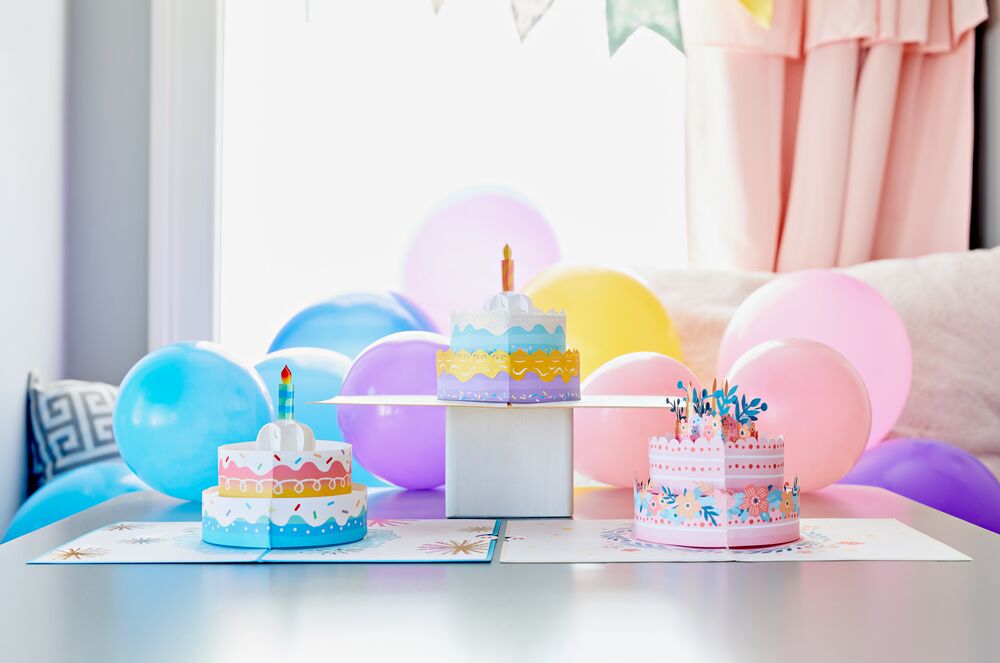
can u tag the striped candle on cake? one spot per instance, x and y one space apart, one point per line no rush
286 396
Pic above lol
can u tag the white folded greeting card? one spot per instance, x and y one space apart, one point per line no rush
401 541
821 540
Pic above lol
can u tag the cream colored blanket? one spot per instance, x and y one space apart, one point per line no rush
950 304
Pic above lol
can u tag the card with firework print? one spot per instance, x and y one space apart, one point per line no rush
822 540
146 543
407 541
388 540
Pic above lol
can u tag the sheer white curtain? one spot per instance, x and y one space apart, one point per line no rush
344 122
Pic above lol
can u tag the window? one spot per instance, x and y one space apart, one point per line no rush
344 122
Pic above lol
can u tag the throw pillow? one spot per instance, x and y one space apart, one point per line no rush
70 427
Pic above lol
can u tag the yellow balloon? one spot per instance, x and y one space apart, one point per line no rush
609 313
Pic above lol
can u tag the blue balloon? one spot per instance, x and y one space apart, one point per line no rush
71 493
317 375
177 405
349 323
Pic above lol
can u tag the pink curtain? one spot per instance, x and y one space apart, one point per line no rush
841 134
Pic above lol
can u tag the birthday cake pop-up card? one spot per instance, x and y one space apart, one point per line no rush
508 351
285 497
714 482
509 384
286 489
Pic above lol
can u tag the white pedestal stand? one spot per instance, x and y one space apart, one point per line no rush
506 460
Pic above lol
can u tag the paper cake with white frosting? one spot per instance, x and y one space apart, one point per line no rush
286 489
508 352
715 482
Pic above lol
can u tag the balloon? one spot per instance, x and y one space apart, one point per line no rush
842 312
609 313
403 445
348 323
177 406
612 445
454 261
317 375
816 401
71 493
933 473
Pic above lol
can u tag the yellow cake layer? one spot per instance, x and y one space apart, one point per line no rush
548 366
266 487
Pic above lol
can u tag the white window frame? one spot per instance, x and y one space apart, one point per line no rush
184 174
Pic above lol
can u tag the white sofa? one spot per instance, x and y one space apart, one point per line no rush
950 304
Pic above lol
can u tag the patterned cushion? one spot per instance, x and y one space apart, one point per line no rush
70 427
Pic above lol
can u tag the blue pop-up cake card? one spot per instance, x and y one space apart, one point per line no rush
286 489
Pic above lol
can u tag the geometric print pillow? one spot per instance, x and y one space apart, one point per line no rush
70 427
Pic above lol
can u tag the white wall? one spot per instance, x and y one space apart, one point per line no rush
74 173
31 218
107 182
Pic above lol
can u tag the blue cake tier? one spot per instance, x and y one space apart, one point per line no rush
296 533
284 522
515 338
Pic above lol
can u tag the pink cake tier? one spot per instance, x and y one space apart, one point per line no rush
246 471
715 494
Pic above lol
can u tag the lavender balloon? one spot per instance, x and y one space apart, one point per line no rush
401 444
933 473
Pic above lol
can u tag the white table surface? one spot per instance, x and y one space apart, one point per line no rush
785 611
614 401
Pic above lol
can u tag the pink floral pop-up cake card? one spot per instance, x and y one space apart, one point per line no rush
715 482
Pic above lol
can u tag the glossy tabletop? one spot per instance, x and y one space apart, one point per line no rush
802 611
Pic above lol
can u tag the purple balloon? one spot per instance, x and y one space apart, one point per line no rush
454 260
401 444
933 473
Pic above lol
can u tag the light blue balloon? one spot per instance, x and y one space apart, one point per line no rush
71 493
351 322
177 406
317 375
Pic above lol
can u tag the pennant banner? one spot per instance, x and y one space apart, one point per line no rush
527 13
627 16
761 10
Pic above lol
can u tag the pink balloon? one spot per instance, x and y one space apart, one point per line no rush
841 312
612 445
815 400
454 261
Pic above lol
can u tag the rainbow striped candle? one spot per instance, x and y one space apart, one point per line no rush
286 396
